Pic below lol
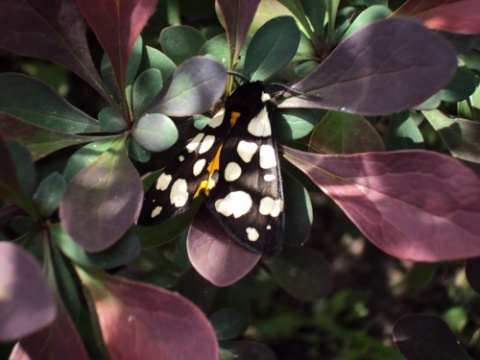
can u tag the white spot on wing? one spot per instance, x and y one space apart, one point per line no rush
156 211
269 177
236 203
199 166
246 150
260 124
179 193
163 181
268 159
181 158
217 120
232 171
192 146
252 234
269 206
207 143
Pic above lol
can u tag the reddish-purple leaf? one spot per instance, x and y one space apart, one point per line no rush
426 337
214 255
385 67
52 342
140 321
53 31
237 16
457 16
27 304
415 205
102 201
117 25
38 140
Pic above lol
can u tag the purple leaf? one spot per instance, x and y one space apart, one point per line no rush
426 337
237 16
102 201
414 205
385 67
38 140
52 342
140 321
53 31
27 304
117 25
217 258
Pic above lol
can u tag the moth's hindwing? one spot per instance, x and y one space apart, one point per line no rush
186 177
248 197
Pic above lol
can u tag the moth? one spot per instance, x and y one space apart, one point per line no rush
234 164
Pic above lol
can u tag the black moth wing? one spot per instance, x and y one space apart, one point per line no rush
175 189
248 197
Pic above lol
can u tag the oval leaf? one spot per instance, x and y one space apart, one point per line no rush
27 302
369 72
103 200
272 47
181 42
211 252
428 338
414 205
194 88
155 132
247 350
304 273
140 321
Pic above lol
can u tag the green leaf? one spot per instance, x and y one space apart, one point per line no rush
103 200
146 87
295 124
403 133
272 48
228 323
369 15
137 152
48 194
155 132
37 103
132 69
181 42
154 58
342 133
111 121
122 252
302 272
218 48
460 87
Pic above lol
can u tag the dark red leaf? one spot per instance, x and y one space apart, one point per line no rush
140 321
415 205
102 201
426 337
117 25
211 252
385 67
53 31
457 16
27 304
52 342
237 16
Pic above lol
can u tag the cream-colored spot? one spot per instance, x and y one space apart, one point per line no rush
268 157
232 171
269 206
179 193
206 144
236 203
192 146
181 158
163 181
269 227
252 234
199 166
246 150
269 177
156 211
266 97
217 120
260 124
